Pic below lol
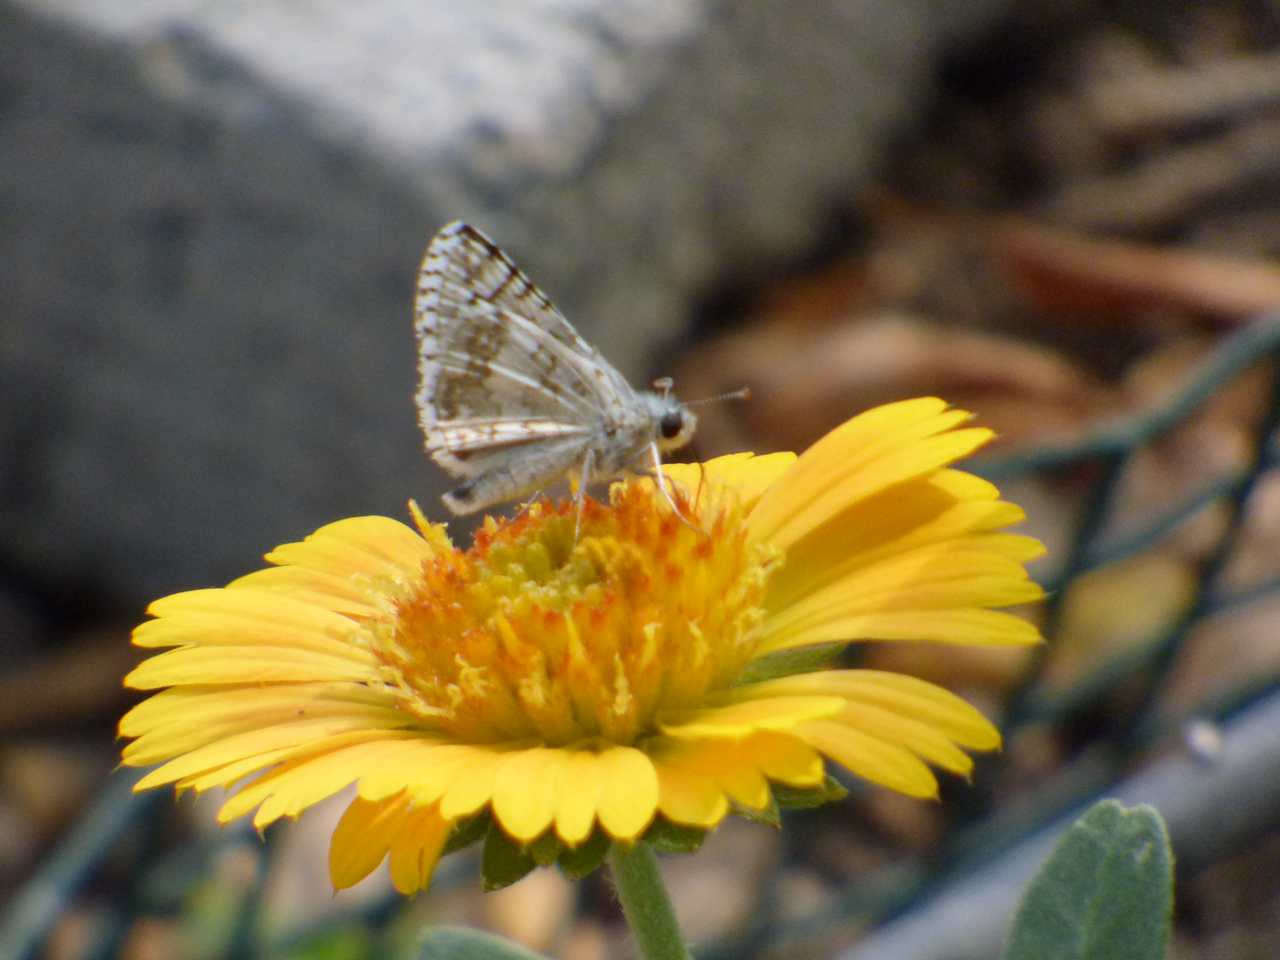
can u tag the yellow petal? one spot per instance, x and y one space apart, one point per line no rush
746 474
525 791
472 787
940 505
881 448
318 770
248 664
937 577
689 797
946 506
415 851
423 768
362 838
997 557
700 774
870 758
234 617
924 457
973 627
734 770
628 792
228 775
579 793
921 739
200 706
359 545
303 734
741 718
786 759
184 719
906 696
348 596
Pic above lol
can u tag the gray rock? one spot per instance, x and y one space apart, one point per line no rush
210 217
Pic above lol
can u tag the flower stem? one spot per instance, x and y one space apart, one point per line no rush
645 903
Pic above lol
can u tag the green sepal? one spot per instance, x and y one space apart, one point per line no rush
546 849
667 837
467 831
803 798
462 943
503 861
576 862
786 663
770 814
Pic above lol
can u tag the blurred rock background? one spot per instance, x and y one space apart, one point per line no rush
1048 211
213 215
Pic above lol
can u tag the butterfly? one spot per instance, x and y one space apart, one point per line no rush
511 399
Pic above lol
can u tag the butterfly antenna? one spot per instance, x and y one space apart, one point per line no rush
742 393
664 384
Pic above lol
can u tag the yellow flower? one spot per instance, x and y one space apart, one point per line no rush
562 692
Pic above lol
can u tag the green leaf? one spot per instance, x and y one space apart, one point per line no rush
461 943
1105 892
786 663
794 798
504 861
577 862
667 837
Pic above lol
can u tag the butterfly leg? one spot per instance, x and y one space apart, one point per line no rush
525 507
588 462
660 479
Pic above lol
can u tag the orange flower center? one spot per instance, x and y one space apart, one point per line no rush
532 636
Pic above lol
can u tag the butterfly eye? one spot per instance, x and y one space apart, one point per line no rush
671 424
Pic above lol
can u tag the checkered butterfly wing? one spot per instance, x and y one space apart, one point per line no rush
502 371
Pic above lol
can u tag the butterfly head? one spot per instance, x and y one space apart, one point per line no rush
673 422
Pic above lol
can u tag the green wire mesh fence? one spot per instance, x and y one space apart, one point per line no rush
979 832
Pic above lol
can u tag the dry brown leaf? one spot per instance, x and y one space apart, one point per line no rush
802 387
1062 271
1232 650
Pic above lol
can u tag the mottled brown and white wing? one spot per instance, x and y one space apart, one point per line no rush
502 371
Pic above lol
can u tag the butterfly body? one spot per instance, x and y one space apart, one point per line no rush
511 398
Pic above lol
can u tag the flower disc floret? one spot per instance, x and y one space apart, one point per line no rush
537 634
